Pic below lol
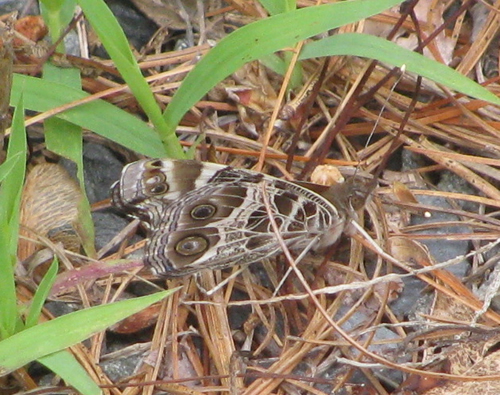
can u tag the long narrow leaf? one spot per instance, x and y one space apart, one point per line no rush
111 35
65 365
98 116
263 38
7 166
42 294
64 331
372 47
8 304
12 186
57 14
10 196
66 139
278 6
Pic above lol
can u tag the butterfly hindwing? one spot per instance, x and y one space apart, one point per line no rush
208 216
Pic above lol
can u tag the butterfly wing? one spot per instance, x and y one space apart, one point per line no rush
147 186
208 216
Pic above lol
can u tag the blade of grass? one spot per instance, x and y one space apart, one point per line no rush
98 116
6 66
262 38
42 294
10 196
57 14
112 37
66 139
8 305
7 166
65 365
67 330
372 47
12 186
278 6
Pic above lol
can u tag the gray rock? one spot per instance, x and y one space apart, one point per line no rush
440 249
101 170
26 7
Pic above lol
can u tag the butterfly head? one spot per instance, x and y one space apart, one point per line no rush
350 195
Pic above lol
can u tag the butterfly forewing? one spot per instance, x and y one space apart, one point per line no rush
146 187
207 216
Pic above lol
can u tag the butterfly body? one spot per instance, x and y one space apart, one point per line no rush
208 216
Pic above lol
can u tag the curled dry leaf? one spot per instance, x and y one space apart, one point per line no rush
138 321
410 252
31 27
404 195
430 16
327 175
177 15
252 88
396 217
49 208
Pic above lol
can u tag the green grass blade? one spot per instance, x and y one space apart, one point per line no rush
108 29
8 304
10 164
66 139
42 294
261 38
53 5
12 185
57 14
111 35
98 116
372 47
65 365
10 196
275 7
67 330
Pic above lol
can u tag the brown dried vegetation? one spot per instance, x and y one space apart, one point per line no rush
245 338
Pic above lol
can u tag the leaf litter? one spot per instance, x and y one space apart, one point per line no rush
251 336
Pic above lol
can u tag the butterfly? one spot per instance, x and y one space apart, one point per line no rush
208 216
